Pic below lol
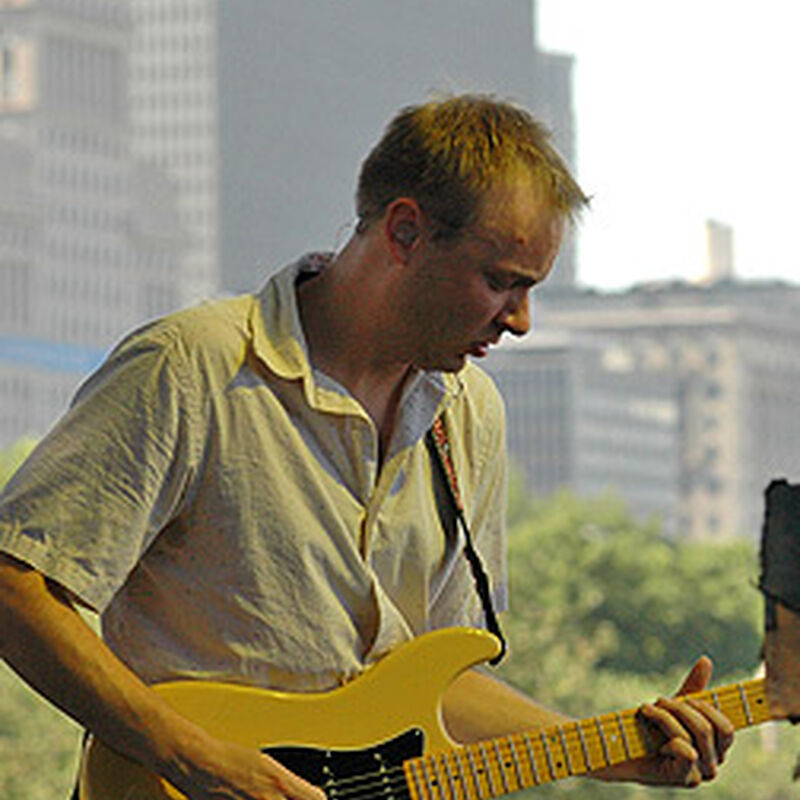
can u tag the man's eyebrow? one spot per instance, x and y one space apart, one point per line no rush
486 237
513 276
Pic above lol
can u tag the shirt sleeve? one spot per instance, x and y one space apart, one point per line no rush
112 472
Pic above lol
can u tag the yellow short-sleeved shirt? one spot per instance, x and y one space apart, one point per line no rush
220 503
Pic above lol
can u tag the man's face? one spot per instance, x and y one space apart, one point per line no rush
469 291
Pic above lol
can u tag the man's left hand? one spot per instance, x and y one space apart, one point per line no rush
697 738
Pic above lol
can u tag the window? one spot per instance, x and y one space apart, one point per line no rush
17 91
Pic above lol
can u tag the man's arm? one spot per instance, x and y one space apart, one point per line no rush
478 706
45 640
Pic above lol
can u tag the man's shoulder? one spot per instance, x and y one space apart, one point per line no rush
226 316
479 389
198 349
478 410
213 327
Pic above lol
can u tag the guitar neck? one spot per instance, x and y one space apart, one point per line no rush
499 766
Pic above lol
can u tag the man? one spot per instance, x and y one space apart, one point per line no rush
243 490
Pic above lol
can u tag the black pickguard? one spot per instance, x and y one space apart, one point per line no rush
355 774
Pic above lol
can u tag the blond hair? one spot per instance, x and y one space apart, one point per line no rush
448 153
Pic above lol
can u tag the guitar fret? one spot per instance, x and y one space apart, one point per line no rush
747 713
434 758
501 767
622 733
517 764
489 779
587 745
564 747
415 769
549 756
603 742
449 774
531 758
475 774
507 764
461 775
760 699
428 782
584 747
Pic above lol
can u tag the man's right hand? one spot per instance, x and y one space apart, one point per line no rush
49 645
233 772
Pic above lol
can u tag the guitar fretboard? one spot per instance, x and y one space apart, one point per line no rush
500 766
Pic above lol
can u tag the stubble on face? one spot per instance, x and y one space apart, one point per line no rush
461 288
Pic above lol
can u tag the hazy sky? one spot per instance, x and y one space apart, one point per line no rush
685 110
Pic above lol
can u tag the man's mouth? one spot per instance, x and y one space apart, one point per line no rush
481 349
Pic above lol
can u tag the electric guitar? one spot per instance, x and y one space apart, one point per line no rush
381 737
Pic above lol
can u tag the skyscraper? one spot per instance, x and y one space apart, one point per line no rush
89 239
174 123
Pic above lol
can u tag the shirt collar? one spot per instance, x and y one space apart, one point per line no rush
279 342
277 334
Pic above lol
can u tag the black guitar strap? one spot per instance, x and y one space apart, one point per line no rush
439 445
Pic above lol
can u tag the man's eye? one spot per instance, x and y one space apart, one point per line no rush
495 284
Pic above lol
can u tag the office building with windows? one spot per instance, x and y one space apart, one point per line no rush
681 397
90 242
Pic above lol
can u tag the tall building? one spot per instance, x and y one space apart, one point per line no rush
719 251
89 240
305 89
552 101
692 387
174 125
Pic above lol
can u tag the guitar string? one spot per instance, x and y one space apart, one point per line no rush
370 784
570 733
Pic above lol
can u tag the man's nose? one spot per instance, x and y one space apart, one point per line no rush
516 315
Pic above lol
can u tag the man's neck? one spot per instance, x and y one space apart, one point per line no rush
349 337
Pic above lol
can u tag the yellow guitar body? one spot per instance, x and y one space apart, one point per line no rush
403 691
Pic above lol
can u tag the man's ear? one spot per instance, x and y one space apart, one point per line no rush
402 225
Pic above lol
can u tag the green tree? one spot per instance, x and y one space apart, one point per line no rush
13 456
38 744
631 600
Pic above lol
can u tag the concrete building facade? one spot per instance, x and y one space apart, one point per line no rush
89 242
583 415
684 387
174 114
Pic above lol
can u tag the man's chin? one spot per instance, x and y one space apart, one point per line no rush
444 363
